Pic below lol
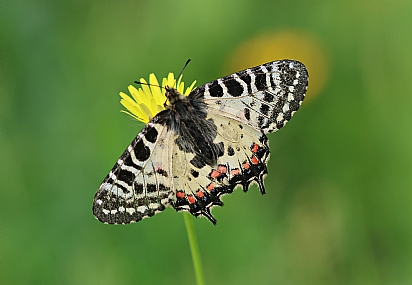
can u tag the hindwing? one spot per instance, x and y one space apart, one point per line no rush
241 161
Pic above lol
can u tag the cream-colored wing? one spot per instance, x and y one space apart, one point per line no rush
139 185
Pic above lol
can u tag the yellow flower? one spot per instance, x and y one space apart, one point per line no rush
147 101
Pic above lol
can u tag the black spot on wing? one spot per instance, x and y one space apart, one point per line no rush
127 160
260 81
162 172
215 90
141 151
230 151
163 188
194 173
234 88
272 82
268 97
264 109
151 135
248 80
247 113
126 176
151 188
138 187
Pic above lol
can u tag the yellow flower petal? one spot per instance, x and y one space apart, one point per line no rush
135 93
170 79
190 88
155 89
130 114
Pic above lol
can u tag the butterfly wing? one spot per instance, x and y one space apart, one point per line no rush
242 160
243 107
139 184
264 97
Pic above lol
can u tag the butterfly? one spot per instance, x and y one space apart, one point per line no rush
203 145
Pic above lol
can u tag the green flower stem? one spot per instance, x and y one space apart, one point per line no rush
194 248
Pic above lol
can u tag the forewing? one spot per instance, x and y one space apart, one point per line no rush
264 97
139 185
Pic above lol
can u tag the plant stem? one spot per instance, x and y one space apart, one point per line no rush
194 248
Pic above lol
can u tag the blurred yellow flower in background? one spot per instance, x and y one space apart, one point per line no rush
288 44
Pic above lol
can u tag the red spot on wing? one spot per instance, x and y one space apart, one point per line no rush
246 165
180 194
255 148
255 160
214 174
200 194
210 187
191 199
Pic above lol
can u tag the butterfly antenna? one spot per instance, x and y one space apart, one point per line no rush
148 84
187 62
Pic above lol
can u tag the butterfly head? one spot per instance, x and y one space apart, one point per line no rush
173 96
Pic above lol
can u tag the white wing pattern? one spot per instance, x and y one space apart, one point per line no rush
203 145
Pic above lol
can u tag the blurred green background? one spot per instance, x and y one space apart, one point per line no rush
338 204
